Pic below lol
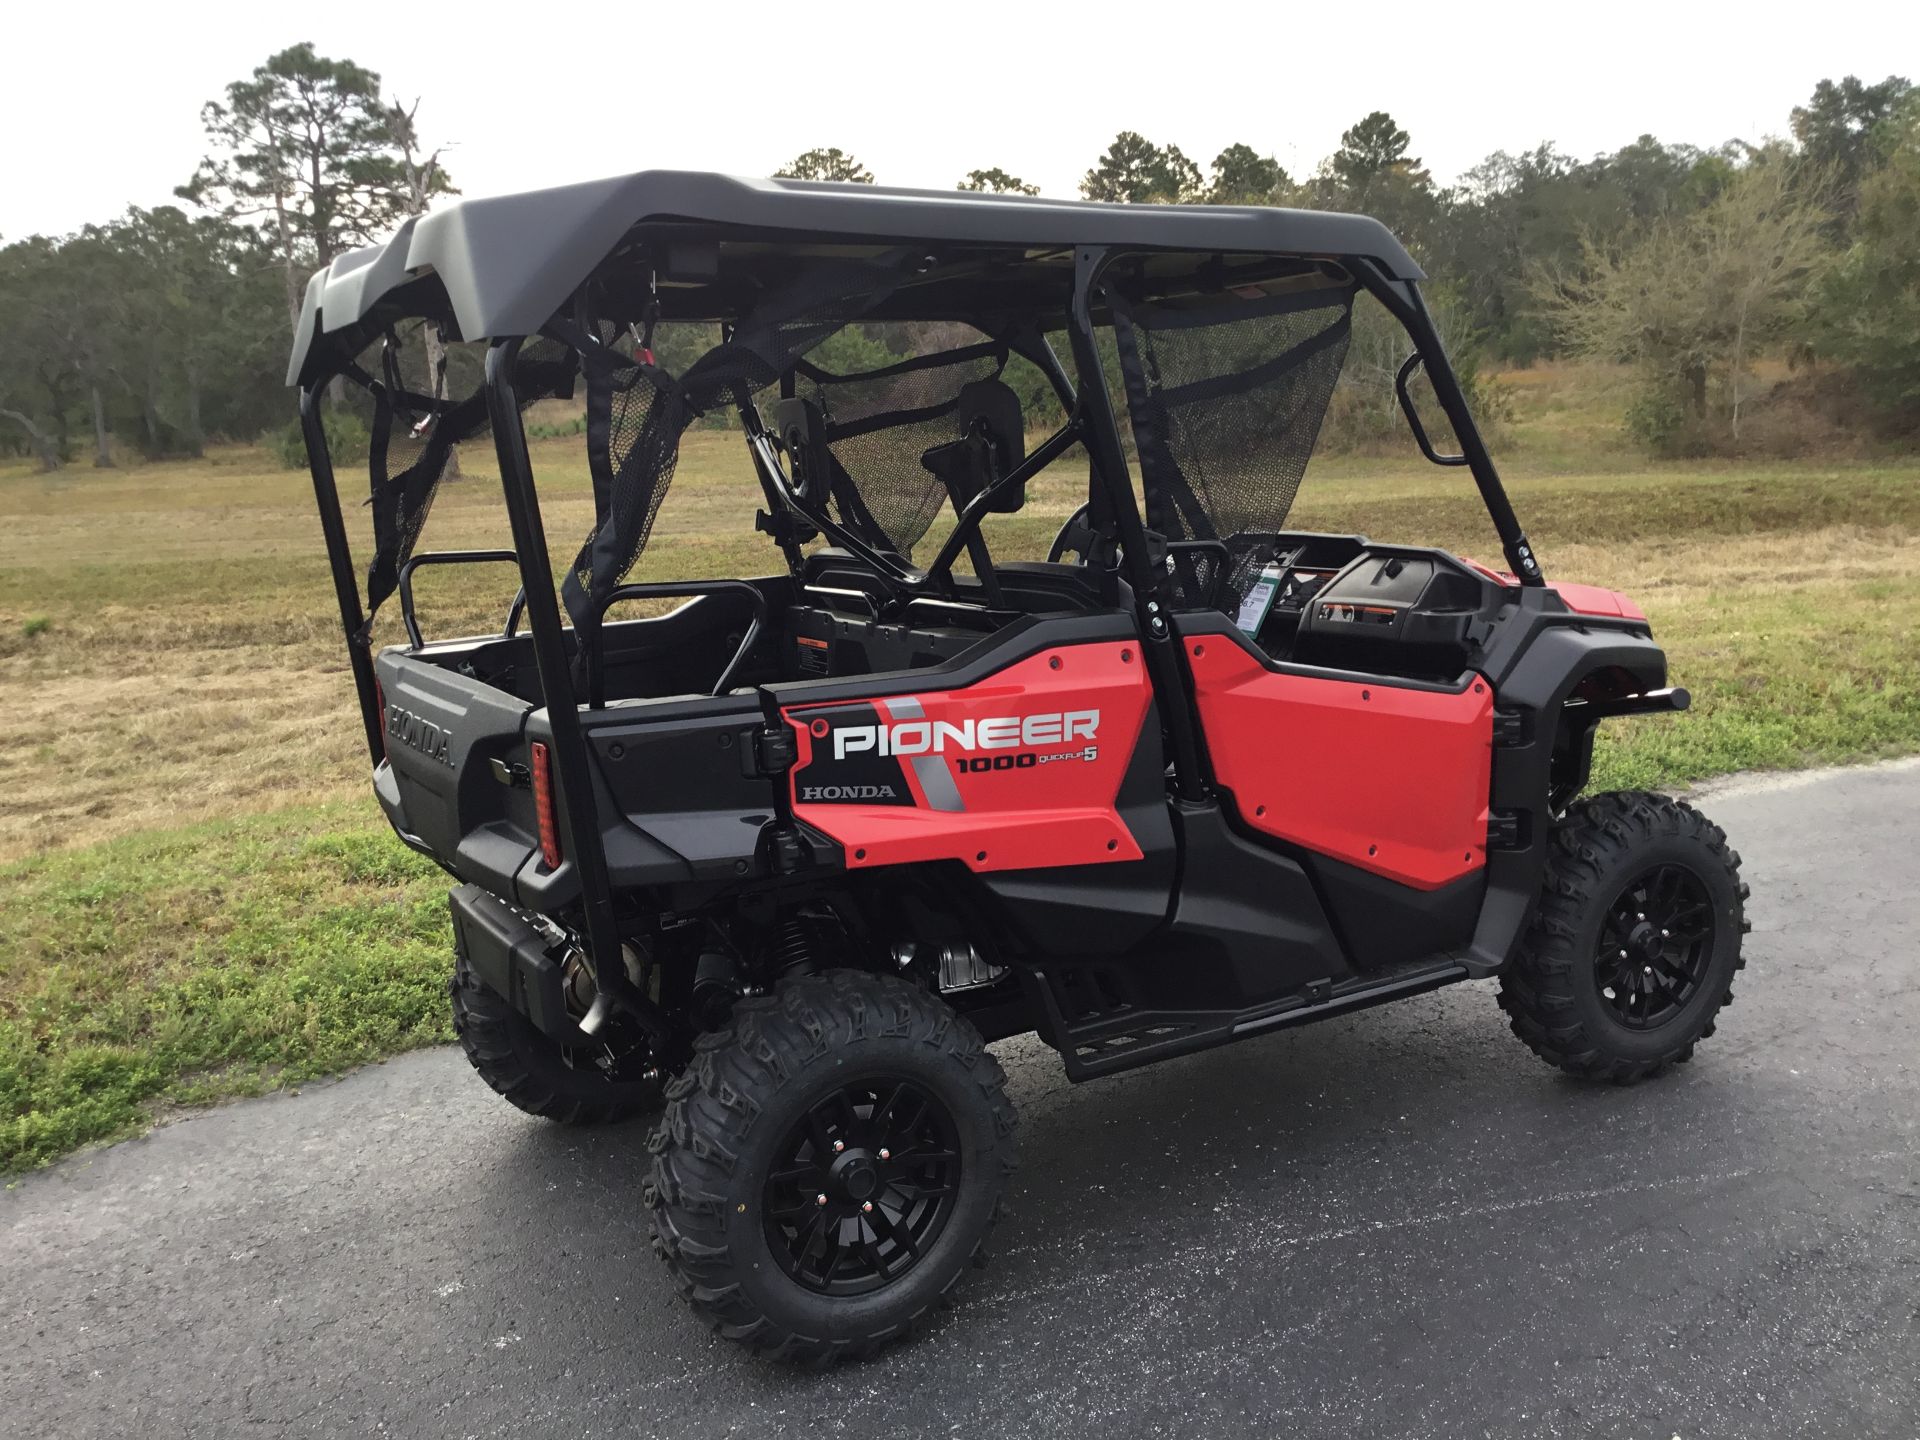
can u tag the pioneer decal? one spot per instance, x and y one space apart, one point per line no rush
1021 769
936 737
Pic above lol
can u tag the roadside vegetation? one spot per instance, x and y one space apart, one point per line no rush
1699 367
198 898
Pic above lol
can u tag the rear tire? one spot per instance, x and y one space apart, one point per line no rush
804 1208
1632 951
531 1070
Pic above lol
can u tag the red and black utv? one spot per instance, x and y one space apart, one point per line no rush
789 855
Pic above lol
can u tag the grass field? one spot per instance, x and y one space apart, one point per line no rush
197 898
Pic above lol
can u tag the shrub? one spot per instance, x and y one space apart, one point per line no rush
347 441
36 625
1658 419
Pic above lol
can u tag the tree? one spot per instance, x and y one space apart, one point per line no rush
826 165
1243 176
1135 171
1840 129
197 327
25 402
38 379
304 148
998 182
1372 150
1372 173
70 313
1690 302
1868 316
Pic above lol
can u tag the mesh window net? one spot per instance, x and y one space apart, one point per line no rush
637 410
413 435
881 420
1226 399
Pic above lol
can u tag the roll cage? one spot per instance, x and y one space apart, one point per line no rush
565 287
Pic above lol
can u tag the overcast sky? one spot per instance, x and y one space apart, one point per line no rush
100 101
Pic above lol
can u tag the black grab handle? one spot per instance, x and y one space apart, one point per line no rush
665 590
447 557
1407 367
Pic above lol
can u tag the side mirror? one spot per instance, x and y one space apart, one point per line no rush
801 431
1408 408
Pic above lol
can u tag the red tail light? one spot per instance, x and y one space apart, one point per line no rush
543 806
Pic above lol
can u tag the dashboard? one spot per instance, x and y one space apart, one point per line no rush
1346 603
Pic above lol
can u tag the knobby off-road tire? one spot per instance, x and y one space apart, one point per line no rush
813 1075
1599 992
530 1069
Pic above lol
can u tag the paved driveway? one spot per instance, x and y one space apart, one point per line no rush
1398 1223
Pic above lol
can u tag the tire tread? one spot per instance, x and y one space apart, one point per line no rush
712 1105
1536 989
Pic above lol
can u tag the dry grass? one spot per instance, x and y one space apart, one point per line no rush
198 898
188 664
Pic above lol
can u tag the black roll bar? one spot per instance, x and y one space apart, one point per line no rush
1160 648
579 813
450 557
1404 302
346 588
589 639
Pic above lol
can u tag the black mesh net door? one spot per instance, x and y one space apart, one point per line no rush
413 437
1226 396
881 420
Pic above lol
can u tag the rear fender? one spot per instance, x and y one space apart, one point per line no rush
437 785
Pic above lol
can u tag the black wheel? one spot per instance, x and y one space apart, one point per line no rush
829 1166
538 1075
1633 949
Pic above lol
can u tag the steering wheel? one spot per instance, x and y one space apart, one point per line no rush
1075 538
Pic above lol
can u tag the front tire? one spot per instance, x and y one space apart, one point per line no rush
1633 948
830 1165
534 1072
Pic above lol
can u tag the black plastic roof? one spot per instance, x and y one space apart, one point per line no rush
509 261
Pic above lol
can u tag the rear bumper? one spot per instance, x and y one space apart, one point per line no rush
512 959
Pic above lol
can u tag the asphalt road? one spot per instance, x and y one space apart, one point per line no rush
1398 1223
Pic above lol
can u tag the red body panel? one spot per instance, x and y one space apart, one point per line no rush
1005 774
1581 599
1391 780
1597 600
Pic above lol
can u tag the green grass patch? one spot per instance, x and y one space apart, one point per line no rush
183 966
1821 674
151 963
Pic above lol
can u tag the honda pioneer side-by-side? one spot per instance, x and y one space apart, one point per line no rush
784 856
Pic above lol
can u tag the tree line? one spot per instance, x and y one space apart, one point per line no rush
167 328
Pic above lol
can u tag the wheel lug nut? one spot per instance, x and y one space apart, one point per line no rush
1649 969
838 1146
1666 934
886 1154
866 1207
819 1199
1640 915
1623 954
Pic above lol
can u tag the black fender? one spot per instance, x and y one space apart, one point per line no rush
1536 662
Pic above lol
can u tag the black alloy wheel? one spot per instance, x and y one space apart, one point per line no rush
1631 952
863 1186
1655 946
830 1164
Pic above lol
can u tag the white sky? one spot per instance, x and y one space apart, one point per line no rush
100 103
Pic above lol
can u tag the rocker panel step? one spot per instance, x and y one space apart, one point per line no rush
1128 1038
